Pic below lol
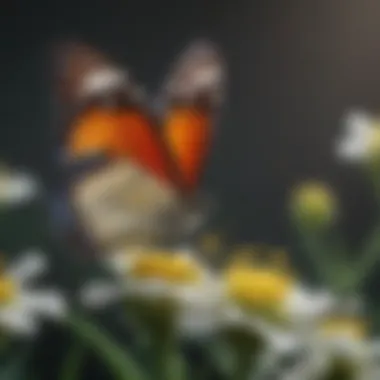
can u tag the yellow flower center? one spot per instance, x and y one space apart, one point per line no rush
374 143
258 288
352 328
163 266
7 290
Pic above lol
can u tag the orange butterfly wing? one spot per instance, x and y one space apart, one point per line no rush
119 130
188 134
143 143
94 131
194 90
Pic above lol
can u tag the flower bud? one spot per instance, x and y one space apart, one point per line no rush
314 205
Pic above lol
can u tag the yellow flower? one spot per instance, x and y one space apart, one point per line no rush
314 204
164 266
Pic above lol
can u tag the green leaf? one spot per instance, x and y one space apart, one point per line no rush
118 360
72 366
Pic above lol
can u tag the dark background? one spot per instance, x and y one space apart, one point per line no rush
295 66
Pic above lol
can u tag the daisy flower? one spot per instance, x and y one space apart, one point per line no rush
267 303
153 275
22 307
341 348
16 187
361 137
271 291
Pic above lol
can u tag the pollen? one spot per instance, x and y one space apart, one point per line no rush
374 143
354 328
7 290
258 288
167 267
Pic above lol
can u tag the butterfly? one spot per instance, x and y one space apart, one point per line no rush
112 116
158 157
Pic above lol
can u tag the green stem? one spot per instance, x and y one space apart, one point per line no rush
373 175
369 257
168 363
72 365
5 344
243 367
370 253
321 255
221 358
118 360
245 349
157 320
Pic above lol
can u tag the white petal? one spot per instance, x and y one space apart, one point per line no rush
353 150
357 119
195 325
353 145
375 348
304 306
310 369
284 342
18 321
345 347
29 266
233 316
23 188
100 294
122 261
149 289
199 309
45 302
18 188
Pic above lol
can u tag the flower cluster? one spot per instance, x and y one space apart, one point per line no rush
261 299
255 305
